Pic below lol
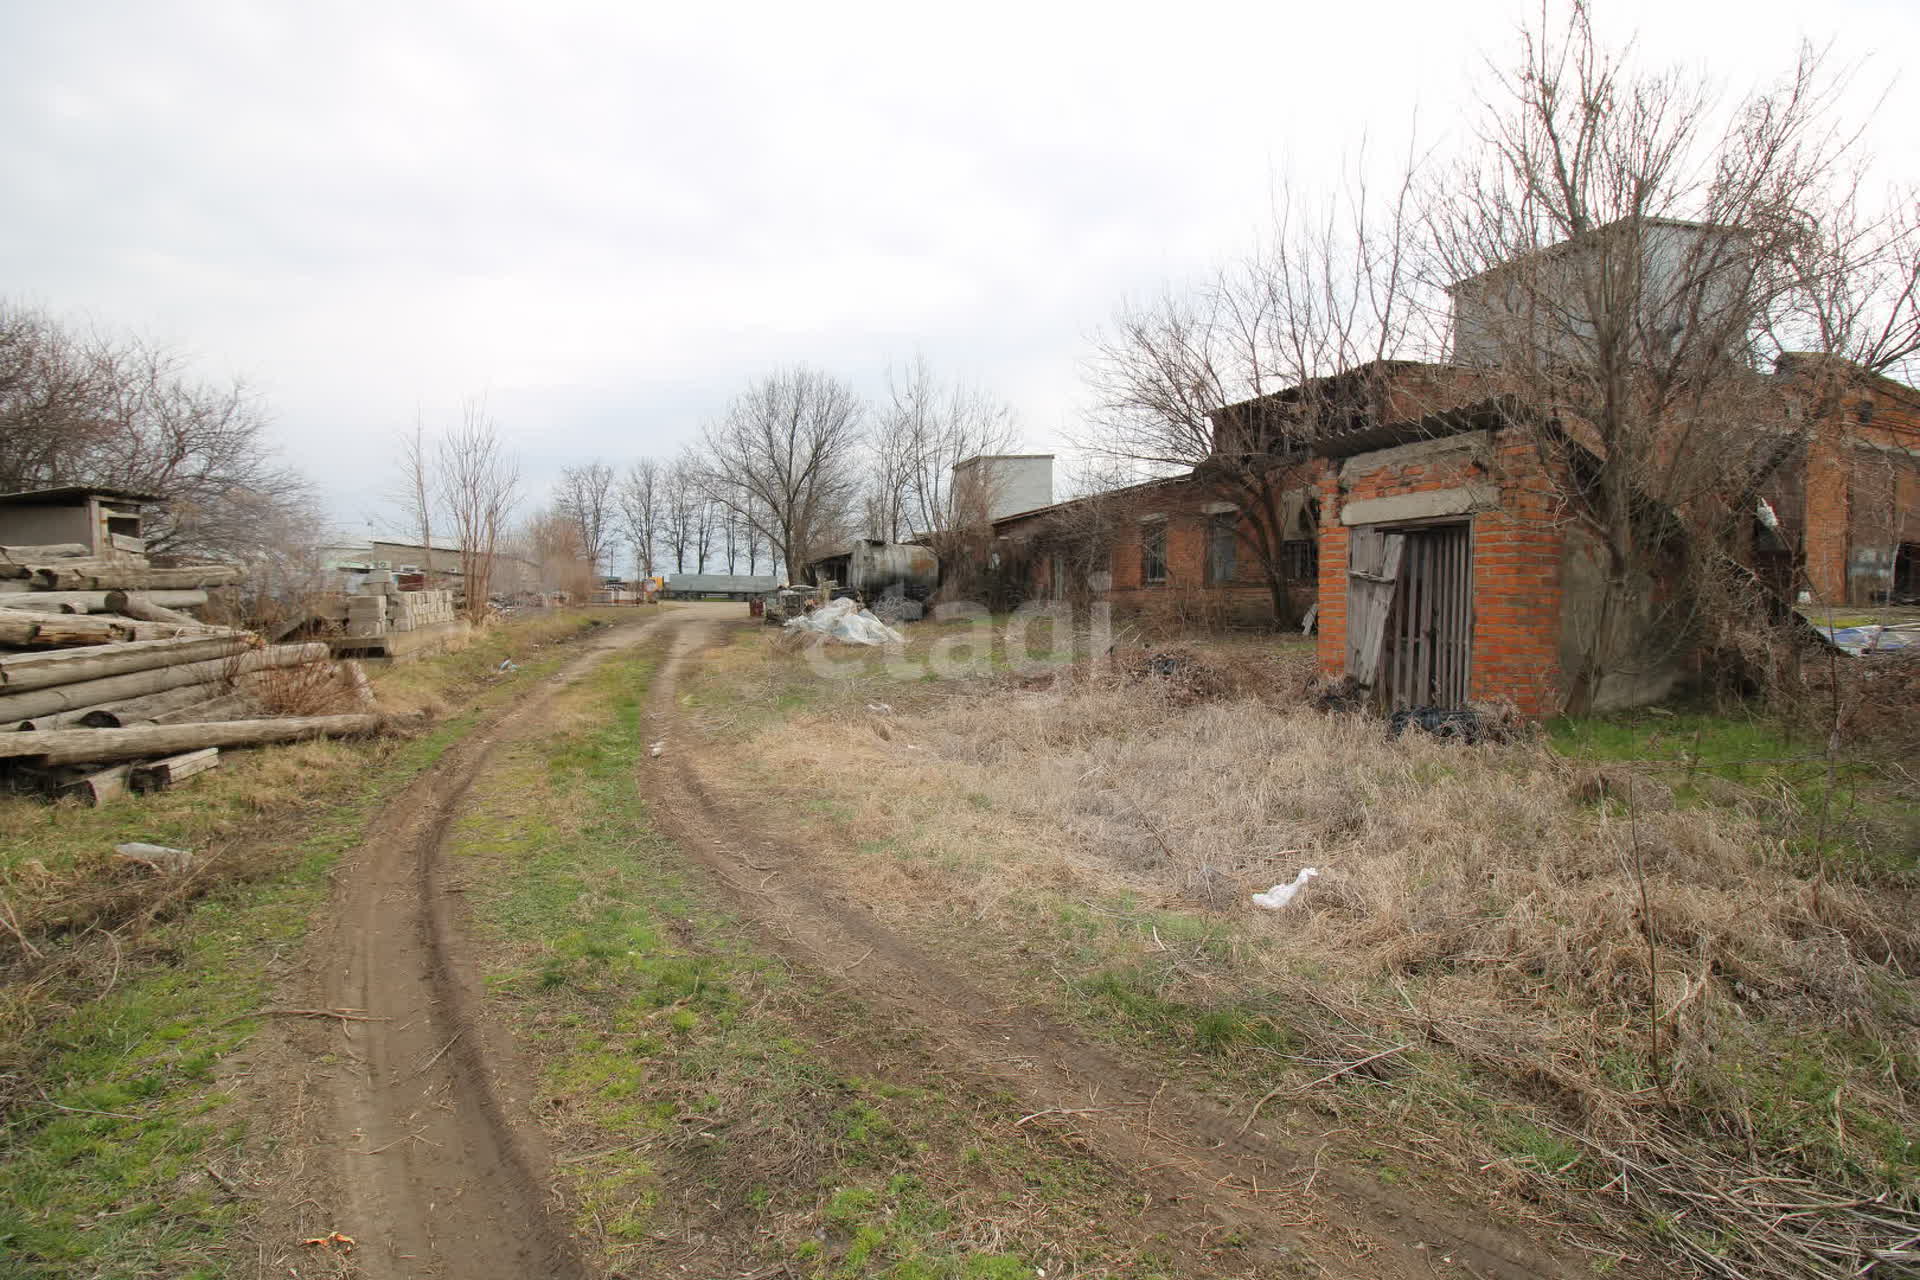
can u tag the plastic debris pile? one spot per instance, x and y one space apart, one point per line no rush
845 621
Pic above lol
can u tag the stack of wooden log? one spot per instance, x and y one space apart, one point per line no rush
108 685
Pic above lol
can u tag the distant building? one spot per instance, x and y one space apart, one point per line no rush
717 586
512 574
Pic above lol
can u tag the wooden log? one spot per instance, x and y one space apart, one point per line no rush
21 630
96 601
177 599
228 706
115 715
46 551
92 693
98 787
53 601
140 605
133 577
22 671
74 746
129 628
158 775
232 706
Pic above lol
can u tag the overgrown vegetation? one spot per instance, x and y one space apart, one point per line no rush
123 993
701 1112
1668 989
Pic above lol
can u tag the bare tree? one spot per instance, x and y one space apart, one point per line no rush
1216 383
419 489
641 511
707 517
482 485
784 458
682 493
925 429
731 539
1628 257
127 412
585 495
551 540
754 542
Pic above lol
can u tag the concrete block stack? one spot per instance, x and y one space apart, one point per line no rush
411 610
366 615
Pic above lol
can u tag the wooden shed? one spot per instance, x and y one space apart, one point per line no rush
107 522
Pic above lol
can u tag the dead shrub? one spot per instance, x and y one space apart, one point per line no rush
307 689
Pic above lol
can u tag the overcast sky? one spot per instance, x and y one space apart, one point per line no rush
606 217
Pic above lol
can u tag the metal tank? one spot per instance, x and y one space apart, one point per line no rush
880 569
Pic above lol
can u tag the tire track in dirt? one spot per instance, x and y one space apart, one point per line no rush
1179 1145
414 1118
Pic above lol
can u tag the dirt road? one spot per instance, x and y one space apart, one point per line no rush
412 1117
1180 1145
406 1121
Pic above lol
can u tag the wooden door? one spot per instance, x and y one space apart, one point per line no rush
1373 570
1428 650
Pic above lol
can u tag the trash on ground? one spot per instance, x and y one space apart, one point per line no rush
508 664
658 749
1281 894
330 1240
157 858
1860 641
843 620
1466 726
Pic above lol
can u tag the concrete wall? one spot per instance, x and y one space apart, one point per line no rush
1539 302
1001 485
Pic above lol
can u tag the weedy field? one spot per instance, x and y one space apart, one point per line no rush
1653 976
713 1111
124 1134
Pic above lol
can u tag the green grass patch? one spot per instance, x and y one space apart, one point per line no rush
1840 808
119 1107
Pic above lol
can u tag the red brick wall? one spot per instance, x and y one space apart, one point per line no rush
1516 563
1857 497
1187 522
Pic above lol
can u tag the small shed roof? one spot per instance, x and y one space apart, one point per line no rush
73 493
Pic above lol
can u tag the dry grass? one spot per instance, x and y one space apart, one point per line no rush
308 689
1646 1006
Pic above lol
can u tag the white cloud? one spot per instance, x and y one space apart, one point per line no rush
608 216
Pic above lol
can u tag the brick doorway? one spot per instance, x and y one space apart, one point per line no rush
1410 614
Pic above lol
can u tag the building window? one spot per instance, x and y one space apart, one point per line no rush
1300 560
1223 549
1153 552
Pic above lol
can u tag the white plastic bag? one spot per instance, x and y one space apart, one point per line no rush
845 621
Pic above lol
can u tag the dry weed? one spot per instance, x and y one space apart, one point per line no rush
1648 980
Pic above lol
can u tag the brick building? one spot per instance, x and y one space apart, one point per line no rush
1430 532
1850 502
